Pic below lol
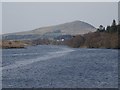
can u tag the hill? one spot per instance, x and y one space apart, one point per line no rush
70 28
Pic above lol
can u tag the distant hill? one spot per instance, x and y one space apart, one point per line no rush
70 28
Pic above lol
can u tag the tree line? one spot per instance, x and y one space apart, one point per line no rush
110 29
102 38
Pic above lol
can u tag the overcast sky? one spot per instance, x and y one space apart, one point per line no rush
18 17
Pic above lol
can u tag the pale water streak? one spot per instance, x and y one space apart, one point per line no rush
22 54
50 55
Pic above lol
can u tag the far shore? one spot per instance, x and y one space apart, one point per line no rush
10 44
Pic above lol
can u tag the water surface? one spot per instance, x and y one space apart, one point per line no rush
51 66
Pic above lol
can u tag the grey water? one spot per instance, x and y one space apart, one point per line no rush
50 66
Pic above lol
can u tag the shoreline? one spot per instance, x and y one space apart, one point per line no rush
24 47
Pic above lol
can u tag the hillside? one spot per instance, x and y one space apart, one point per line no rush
70 28
95 40
102 38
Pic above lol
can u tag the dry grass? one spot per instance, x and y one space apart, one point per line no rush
12 44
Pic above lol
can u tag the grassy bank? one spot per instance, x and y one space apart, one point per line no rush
95 40
12 44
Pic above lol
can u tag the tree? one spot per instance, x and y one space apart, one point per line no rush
119 23
114 23
108 29
101 29
118 27
113 27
